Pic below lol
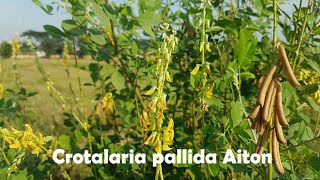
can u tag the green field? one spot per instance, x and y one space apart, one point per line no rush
41 110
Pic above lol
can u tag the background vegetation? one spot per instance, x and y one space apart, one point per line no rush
203 75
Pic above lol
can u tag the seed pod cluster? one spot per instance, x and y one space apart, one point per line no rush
269 102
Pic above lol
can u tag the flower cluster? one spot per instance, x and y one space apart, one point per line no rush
66 54
105 104
24 140
16 46
310 77
161 137
1 90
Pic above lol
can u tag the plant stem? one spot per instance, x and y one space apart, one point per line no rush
275 18
300 144
296 24
4 156
301 35
270 147
84 109
203 75
203 33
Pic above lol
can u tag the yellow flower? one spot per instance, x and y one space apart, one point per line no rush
209 91
33 148
16 145
162 103
40 139
168 78
66 55
168 135
158 146
108 104
17 133
16 46
150 91
1 90
195 69
28 128
151 138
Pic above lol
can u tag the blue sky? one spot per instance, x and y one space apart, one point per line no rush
17 16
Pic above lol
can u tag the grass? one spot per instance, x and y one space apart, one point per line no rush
42 111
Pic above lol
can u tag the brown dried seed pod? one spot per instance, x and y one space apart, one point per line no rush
286 66
261 150
254 125
98 110
261 79
265 85
267 102
279 133
254 112
278 106
273 98
259 122
276 154
262 127
264 139
258 144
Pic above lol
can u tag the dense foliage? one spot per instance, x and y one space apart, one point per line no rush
5 50
194 64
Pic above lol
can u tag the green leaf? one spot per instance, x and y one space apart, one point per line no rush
107 70
236 113
248 75
215 102
304 117
134 48
313 64
312 104
315 163
180 136
309 89
94 76
18 176
147 28
216 28
192 80
287 90
48 9
98 38
110 12
193 176
93 67
64 142
245 47
70 26
302 128
101 15
149 18
308 134
118 80
53 30
213 169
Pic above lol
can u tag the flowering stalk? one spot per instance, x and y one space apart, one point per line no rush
25 142
51 87
203 70
161 137
16 47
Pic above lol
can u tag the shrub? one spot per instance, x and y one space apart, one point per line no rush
5 50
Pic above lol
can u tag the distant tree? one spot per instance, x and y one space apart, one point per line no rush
25 49
46 42
5 50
